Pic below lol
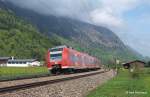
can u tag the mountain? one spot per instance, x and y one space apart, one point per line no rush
95 40
20 39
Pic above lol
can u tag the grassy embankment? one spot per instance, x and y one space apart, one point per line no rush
126 84
16 72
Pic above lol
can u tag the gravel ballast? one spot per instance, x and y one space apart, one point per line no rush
33 80
73 88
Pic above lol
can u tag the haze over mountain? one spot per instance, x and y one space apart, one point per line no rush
96 40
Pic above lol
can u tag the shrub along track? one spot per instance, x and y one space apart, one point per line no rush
24 77
42 83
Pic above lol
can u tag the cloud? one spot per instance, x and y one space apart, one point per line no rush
105 18
100 12
77 9
110 12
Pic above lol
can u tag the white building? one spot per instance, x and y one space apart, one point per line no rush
22 63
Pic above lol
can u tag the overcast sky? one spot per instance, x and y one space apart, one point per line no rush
129 19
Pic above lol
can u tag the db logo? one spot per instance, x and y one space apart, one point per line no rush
56 62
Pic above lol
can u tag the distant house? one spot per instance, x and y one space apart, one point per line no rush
134 64
22 63
3 61
11 62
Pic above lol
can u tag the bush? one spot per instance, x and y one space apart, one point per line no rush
135 75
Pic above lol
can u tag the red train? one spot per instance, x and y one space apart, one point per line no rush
64 58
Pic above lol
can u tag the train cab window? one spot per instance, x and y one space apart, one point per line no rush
56 53
56 56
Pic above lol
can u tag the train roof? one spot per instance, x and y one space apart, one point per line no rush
59 47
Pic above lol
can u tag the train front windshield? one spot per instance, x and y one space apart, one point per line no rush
56 54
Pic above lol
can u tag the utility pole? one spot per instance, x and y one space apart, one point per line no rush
117 64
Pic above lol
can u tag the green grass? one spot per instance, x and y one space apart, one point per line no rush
124 85
16 72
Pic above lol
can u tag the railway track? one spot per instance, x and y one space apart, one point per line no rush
42 83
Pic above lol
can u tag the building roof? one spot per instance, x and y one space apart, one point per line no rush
22 60
4 58
134 62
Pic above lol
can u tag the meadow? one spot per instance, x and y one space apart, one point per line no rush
19 72
125 84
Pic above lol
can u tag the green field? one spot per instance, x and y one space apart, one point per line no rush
16 72
125 84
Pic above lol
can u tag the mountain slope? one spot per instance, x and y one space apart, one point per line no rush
95 40
20 39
